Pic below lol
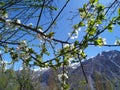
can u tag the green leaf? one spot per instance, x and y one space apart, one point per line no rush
14 56
92 31
31 50
101 17
83 55
110 26
91 22
99 42
93 1
4 12
81 24
119 11
84 6
81 10
76 43
53 8
51 34
99 21
110 30
76 26
100 7
118 23
83 15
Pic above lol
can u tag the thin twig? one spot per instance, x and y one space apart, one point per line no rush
39 17
82 67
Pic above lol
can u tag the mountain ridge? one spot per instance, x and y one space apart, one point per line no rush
105 65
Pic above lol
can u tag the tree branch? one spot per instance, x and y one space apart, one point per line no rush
57 16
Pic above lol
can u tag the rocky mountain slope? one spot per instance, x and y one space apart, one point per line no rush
103 73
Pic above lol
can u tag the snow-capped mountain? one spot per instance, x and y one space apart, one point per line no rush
102 71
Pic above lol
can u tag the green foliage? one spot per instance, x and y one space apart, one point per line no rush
50 35
100 7
110 27
2 3
119 11
93 1
99 42
24 80
8 81
81 24
76 26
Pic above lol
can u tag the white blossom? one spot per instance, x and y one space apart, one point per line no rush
41 37
96 25
80 51
61 76
24 56
8 21
117 42
18 21
66 45
79 29
24 42
104 41
70 60
40 30
72 37
30 24
22 45
5 15
72 46
75 33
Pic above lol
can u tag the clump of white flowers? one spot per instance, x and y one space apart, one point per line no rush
66 45
17 21
25 54
63 80
11 26
22 45
41 37
74 34
70 46
62 76
117 42
104 41
70 60
39 29
8 21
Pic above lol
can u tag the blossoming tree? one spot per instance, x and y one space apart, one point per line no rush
27 32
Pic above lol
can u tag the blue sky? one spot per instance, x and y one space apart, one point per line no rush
64 26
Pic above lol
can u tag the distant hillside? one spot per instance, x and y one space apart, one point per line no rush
103 73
